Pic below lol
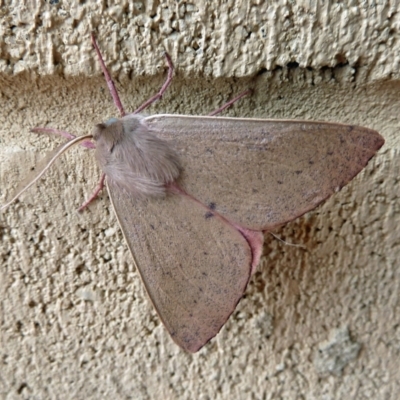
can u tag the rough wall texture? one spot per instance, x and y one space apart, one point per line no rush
320 322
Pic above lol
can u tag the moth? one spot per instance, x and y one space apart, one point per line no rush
205 189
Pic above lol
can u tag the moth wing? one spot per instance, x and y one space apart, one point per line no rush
194 265
263 173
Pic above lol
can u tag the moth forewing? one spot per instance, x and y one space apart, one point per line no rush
263 173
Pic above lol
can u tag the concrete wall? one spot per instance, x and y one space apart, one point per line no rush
315 323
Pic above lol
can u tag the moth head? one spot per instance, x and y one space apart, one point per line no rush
109 131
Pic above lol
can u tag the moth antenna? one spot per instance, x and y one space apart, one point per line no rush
58 153
287 243
52 131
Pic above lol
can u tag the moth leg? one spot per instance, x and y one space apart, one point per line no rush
109 81
96 192
163 88
231 102
86 143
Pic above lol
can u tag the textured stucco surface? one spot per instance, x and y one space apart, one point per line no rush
319 322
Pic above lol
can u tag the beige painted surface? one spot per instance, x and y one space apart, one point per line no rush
319 323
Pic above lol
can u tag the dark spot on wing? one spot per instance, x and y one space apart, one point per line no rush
280 182
254 190
152 226
330 153
208 215
298 172
311 162
212 206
